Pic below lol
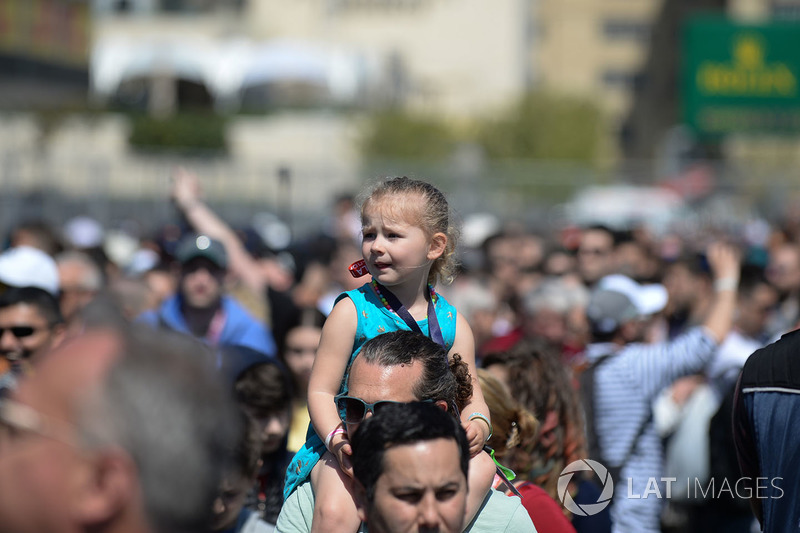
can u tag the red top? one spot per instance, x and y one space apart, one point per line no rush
546 514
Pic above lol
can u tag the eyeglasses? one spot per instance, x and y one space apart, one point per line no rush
354 410
20 332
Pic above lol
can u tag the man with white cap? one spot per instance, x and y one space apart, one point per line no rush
627 374
30 319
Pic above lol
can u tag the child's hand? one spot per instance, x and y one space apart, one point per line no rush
341 449
476 436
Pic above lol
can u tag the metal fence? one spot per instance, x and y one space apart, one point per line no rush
136 187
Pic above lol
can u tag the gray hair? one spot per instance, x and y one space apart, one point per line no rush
556 295
92 275
163 403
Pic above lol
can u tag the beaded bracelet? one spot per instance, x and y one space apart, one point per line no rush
332 434
481 416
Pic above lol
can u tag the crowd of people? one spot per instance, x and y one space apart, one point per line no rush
383 375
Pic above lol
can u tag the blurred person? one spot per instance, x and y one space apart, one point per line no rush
298 351
36 233
118 430
266 278
689 285
536 378
685 413
559 262
80 279
201 308
323 282
30 325
262 386
783 272
553 313
162 282
766 415
636 260
596 254
410 465
133 296
756 300
86 234
231 515
404 366
627 374
479 305
513 440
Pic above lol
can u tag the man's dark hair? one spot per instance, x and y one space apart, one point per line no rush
442 379
264 387
396 425
43 301
243 458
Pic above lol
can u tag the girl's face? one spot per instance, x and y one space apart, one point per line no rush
395 250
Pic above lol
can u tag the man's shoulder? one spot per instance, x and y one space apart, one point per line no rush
297 512
501 513
774 365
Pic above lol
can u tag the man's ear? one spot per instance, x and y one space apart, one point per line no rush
107 484
360 497
58 335
437 246
441 404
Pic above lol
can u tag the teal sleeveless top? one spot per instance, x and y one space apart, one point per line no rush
373 320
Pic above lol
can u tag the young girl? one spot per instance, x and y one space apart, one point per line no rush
408 245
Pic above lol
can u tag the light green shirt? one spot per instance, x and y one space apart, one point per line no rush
498 514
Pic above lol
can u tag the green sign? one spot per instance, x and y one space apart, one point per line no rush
741 78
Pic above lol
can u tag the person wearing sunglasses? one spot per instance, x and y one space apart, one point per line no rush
30 324
402 367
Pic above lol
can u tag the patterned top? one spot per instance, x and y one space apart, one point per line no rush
373 320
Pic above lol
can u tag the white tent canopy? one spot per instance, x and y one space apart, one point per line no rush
226 68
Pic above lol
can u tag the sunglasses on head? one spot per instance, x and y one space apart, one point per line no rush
19 332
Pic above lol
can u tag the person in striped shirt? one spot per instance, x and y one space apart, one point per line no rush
628 374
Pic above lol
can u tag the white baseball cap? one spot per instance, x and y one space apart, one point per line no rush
648 299
26 266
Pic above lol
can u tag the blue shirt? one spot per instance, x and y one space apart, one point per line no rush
239 327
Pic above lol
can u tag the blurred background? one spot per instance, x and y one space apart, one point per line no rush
547 112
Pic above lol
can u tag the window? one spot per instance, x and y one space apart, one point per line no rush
622 79
619 29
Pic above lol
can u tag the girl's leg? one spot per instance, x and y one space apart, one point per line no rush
334 506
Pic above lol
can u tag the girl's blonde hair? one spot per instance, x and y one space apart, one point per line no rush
423 205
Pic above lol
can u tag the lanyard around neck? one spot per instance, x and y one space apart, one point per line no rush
394 304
